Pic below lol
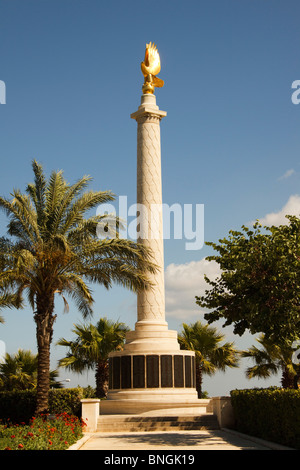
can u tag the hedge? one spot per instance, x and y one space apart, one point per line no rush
271 414
19 406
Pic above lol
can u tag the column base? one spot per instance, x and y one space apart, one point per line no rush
162 377
139 406
151 371
150 337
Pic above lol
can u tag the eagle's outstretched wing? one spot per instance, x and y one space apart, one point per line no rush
158 82
151 64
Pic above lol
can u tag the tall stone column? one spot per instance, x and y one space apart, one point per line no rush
151 328
151 303
151 372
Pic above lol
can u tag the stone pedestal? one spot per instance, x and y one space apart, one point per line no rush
222 408
90 413
151 368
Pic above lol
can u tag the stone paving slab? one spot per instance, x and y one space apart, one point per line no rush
175 441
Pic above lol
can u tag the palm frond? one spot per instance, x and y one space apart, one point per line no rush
269 359
54 194
19 218
36 191
84 203
77 289
9 300
62 207
262 371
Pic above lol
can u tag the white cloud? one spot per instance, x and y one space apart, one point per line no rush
287 174
292 207
183 282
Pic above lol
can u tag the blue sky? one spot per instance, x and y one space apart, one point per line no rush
230 140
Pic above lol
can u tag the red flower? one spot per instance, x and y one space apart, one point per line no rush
20 446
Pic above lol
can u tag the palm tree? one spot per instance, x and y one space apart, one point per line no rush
270 360
54 249
91 349
210 355
19 372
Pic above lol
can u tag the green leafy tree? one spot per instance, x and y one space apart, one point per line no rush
210 355
19 372
91 348
54 249
272 359
259 286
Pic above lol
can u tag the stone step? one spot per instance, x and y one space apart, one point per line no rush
118 423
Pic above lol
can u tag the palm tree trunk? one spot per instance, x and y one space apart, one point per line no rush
44 319
102 376
287 379
198 378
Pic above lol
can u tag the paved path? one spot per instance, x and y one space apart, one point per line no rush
176 440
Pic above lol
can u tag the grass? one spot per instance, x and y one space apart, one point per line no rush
57 432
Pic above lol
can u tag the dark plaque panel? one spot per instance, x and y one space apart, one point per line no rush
166 371
116 362
188 371
178 371
152 371
126 372
138 371
110 378
193 372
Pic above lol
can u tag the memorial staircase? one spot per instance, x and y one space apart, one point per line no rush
164 420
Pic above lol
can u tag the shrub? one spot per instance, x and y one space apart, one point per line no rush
66 401
19 406
271 414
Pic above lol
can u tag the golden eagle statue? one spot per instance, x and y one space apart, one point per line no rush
150 69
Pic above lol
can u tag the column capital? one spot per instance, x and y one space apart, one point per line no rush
148 109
